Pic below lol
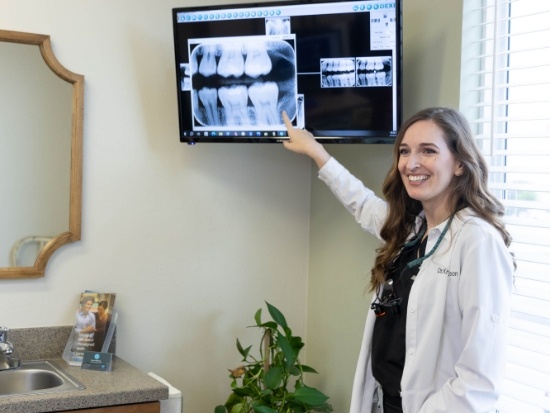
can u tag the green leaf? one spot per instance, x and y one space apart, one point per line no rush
296 343
297 408
244 352
220 409
288 332
273 378
310 396
290 355
307 369
269 324
244 391
237 408
277 316
263 409
232 400
267 393
258 317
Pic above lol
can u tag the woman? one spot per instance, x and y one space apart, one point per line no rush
436 338
102 321
84 326
85 319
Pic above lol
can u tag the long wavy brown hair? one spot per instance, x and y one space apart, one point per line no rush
467 190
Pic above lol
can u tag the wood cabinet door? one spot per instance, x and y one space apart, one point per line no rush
152 407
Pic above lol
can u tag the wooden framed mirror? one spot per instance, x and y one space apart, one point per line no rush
41 118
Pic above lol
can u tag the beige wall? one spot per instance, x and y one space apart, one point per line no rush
341 254
193 239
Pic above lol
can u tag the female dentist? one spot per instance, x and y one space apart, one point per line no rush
435 339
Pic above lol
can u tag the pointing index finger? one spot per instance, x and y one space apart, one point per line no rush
287 120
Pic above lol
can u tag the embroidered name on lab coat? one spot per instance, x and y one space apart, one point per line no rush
446 271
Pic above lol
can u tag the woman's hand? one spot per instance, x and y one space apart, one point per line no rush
88 329
302 142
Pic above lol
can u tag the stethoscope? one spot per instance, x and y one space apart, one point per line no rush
389 299
415 241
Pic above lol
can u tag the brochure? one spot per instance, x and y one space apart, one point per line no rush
95 323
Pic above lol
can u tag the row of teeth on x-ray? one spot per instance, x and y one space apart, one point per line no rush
360 72
240 105
234 83
231 60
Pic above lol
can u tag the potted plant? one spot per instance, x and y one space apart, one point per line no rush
273 382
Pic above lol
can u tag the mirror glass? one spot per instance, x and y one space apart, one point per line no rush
40 156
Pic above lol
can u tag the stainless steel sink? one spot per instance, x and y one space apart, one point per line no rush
36 377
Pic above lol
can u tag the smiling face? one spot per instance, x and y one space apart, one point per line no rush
427 166
87 305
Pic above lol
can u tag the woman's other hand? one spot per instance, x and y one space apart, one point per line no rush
302 142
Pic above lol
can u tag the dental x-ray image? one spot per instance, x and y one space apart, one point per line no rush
277 25
338 72
374 71
247 81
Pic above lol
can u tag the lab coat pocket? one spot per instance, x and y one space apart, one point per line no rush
414 399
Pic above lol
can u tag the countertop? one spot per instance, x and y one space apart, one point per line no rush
125 384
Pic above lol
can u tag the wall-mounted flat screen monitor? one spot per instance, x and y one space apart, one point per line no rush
334 67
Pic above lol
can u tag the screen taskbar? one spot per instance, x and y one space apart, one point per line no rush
279 136
234 134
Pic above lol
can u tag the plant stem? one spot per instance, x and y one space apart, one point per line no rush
267 345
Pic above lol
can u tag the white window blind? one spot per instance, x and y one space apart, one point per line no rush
505 94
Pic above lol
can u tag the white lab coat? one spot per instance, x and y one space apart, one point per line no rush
457 314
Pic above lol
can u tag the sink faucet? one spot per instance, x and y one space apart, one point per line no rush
7 360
